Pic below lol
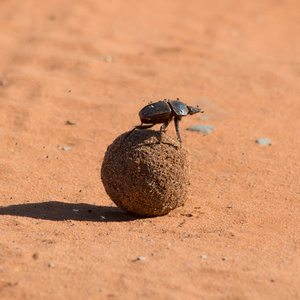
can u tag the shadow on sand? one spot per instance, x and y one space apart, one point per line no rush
60 211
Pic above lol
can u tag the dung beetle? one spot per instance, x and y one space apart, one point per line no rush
163 112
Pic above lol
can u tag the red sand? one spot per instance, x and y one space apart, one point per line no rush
93 63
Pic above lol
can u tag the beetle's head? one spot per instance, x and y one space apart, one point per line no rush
193 110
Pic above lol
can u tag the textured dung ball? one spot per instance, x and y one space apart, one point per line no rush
145 177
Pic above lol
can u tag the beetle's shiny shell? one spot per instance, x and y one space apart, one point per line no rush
179 108
154 113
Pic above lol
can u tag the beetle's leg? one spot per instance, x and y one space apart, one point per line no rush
163 129
164 126
143 126
137 127
128 134
177 130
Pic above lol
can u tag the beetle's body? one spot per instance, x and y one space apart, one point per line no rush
163 112
155 112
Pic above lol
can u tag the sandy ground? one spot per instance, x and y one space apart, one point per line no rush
73 77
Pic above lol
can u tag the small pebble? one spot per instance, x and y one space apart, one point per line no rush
66 148
264 142
70 123
202 128
141 258
224 258
203 256
51 265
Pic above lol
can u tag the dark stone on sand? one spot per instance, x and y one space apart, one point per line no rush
144 176
202 128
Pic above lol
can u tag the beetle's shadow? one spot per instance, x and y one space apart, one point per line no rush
61 211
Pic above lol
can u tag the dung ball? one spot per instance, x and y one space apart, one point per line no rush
146 176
